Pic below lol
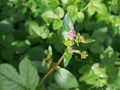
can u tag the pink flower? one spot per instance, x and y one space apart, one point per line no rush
71 34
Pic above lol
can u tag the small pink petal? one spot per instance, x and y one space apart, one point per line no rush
71 34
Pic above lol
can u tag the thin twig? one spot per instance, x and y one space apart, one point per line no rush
52 70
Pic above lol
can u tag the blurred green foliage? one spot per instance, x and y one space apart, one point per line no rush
28 27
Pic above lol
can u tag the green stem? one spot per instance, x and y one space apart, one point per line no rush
86 7
52 70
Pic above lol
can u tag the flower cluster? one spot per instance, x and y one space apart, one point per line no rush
79 38
75 38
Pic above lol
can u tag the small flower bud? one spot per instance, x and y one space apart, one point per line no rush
84 55
71 34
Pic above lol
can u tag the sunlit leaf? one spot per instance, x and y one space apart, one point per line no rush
57 24
67 57
81 16
73 10
65 79
59 12
37 31
67 25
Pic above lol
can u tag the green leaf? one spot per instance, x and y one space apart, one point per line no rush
34 29
108 57
96 73
59 12
100 33
64 1
49 14
67 25
112 87
54 86
117 81
5 26
50 4
114 6
80 16
102 9
28 74
73 10
11 80
97 6
44 32
96 48
65 79
37 31
57 24
67 57
91 10
67 43
89 40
